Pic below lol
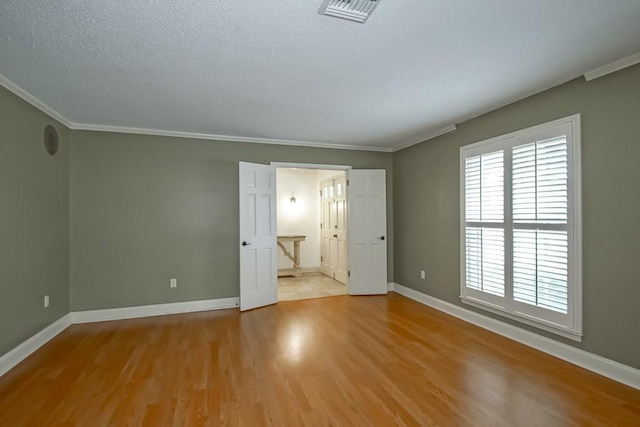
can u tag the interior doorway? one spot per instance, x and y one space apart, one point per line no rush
312 233
258 236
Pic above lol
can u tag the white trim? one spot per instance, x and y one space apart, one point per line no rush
287 165
390 286
22 351
21 93
576 209
232 138
524 318
598 364
427 137
613 67
570 120
152 310
290 272
568 325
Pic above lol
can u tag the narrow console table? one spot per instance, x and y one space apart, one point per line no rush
295 271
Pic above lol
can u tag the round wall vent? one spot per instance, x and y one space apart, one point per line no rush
51 140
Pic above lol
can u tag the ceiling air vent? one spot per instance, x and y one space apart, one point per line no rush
353 10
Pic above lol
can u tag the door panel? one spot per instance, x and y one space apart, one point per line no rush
341 260
342 266
326 265
334 226
367 232
258 236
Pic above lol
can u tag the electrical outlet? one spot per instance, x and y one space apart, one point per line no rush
422 275
46 301
173 283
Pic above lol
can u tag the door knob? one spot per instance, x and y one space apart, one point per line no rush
335 235
381 238
245 244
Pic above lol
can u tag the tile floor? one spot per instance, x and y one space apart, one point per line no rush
307 286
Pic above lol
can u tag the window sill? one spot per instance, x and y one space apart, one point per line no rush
549 327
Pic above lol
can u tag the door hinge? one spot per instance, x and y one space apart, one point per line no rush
347 183
349 273
321 259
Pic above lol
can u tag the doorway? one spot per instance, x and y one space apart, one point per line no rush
312 233
258 236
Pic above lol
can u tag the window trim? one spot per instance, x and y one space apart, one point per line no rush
574 227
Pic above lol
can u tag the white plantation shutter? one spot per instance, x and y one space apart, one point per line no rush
484 178
520 242
540 268
540 205
540 181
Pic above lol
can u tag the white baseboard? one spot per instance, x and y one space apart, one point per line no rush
23 350
390 286
152 310
600 365
290 272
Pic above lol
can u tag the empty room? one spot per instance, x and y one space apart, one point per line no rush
319 213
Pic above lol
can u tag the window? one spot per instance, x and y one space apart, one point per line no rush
520 226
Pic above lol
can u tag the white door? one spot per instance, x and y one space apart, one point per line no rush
367 232
340 230
258 236
334 228
327 262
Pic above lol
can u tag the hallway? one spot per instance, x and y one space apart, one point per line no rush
307 286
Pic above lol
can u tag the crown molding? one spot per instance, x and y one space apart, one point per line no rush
26 96
613 67
427 137
21 93
207 136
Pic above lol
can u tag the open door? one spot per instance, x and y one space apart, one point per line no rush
367 232
258 236
333 194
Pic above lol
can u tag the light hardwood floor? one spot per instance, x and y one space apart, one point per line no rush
309 285
343 361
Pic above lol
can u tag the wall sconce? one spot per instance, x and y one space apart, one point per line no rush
294 208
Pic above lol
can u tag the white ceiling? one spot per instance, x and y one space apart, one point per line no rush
279 70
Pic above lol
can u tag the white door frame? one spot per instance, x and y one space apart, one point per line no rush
315 166
311 166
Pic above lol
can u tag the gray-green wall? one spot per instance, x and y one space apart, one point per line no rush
145 209
427 202
34 223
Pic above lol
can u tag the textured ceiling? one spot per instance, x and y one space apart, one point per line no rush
279 70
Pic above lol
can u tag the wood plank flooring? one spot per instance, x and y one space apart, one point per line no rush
342 361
